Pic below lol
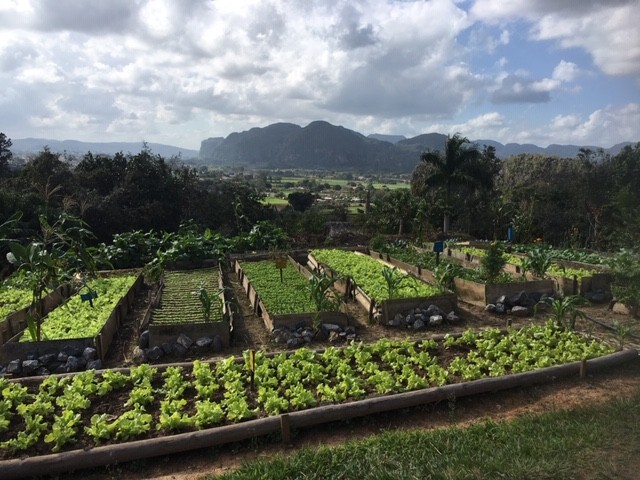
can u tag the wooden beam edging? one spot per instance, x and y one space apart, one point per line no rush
128 451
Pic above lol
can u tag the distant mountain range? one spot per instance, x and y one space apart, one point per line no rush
35 145
321 145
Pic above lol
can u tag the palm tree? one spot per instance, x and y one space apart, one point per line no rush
459 169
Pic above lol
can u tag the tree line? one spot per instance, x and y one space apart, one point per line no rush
591 201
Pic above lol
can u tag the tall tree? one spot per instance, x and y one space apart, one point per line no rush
5 154
460 170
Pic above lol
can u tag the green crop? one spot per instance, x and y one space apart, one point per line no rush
13 299
291 295
77 318
367 274
182 297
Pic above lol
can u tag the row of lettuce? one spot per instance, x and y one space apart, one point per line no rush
93 408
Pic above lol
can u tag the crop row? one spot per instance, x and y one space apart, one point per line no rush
83 319
183 294
91 408
554 270
13 299
289 295
367 274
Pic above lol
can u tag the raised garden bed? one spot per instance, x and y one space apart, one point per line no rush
180 310
76 324
14 309
286 303
100 418
365 282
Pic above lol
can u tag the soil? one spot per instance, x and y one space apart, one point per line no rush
249 332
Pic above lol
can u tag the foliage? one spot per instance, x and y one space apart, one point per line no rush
537 261
47 263
625 267
80 319
367 274
62 409
189 296
322 293
280 297
493 262
565 312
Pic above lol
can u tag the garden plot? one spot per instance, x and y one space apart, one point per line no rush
79 323
85 416
14 308
469 286
191 303
383 292
281 294
570 277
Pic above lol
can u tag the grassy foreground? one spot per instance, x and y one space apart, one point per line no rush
587 443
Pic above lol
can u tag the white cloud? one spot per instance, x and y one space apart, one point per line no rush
608 31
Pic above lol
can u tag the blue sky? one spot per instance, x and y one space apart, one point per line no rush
180 71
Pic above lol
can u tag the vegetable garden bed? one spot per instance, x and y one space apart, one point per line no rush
570 277
14 308
285 303
181 311
367 285
90 417
78 324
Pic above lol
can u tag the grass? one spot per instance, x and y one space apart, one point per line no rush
587 443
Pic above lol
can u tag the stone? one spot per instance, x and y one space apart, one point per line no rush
490 307
73 363
419 324
501 299
621 309
217 344
501 308
62 368
90 354
139 356
433 310
43 372
351 336
29 367
307 335
82 363
280 335
395 323
410 319
377 317
143 341
520 299
72 351
321 335
204 343
596 297
334 337
94 365
184 341
519 311
452 317
331 327
294 342
398 317
179 350
154 353
350 330
48 358
167 348
62 357
435 320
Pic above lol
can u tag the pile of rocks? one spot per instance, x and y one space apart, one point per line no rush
69 359
521 304
182 347
302 334
423 317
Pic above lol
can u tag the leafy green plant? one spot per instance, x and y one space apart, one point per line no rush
493 262
622 331
537 261
394 279
565 312
625 267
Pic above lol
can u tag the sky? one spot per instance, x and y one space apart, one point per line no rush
180 71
